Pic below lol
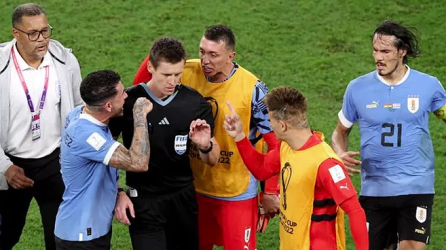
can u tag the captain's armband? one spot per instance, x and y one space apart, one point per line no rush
441 113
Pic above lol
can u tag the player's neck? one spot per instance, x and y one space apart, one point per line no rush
221 76
98 115
297 138
396 75
155 92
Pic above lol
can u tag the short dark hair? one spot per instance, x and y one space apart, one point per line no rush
27 9
98 86
167 49
405 37
288 104
221 33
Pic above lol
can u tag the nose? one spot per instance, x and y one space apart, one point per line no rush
125 95
204 59
171 79
40 37
378 55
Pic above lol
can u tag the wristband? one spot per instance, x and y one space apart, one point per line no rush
120 190
206 151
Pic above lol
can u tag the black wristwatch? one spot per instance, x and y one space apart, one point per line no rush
120 190
207 150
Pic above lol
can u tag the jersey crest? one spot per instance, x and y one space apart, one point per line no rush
180 144
413 103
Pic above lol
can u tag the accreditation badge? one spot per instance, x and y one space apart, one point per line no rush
35 126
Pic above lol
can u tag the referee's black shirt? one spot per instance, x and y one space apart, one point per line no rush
170 119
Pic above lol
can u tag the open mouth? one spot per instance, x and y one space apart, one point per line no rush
207 70
41 48
380 65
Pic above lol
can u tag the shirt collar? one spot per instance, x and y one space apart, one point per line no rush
91 119
312 141
381 79
24 66
234 69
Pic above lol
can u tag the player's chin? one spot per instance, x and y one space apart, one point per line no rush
382 72
169 91
120 113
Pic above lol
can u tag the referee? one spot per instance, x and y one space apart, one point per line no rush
162 202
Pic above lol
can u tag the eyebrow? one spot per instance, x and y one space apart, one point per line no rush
209 51
34 30
176 73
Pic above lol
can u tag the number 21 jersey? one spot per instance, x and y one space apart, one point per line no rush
396 147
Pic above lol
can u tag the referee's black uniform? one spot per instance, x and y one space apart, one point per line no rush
164 197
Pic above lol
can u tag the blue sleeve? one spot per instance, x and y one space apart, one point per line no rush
259 110
94 145
438 97
348 106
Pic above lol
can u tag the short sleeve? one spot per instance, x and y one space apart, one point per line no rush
438 97
348 115
259 109
94 145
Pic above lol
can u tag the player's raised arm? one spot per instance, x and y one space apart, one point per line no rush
200 134
260 165
136 159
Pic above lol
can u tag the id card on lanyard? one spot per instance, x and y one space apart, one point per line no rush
35 114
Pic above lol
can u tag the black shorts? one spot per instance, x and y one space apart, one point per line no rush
397 218
101 243
165 222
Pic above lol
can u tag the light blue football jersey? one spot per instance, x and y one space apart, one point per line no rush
89 199
396 147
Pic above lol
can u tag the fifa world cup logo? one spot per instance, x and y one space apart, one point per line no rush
286 178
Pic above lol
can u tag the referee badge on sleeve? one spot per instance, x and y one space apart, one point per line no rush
421 214
180 144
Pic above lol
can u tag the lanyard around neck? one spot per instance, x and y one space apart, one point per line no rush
25 88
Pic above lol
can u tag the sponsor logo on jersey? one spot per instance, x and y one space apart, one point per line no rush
164 121
373 105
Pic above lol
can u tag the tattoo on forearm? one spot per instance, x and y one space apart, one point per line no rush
137 157
140 149
121 158
139 120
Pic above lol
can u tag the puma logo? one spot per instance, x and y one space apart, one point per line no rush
344 187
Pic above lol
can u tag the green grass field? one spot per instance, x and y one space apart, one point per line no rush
315 46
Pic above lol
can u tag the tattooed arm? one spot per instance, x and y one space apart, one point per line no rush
136 159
